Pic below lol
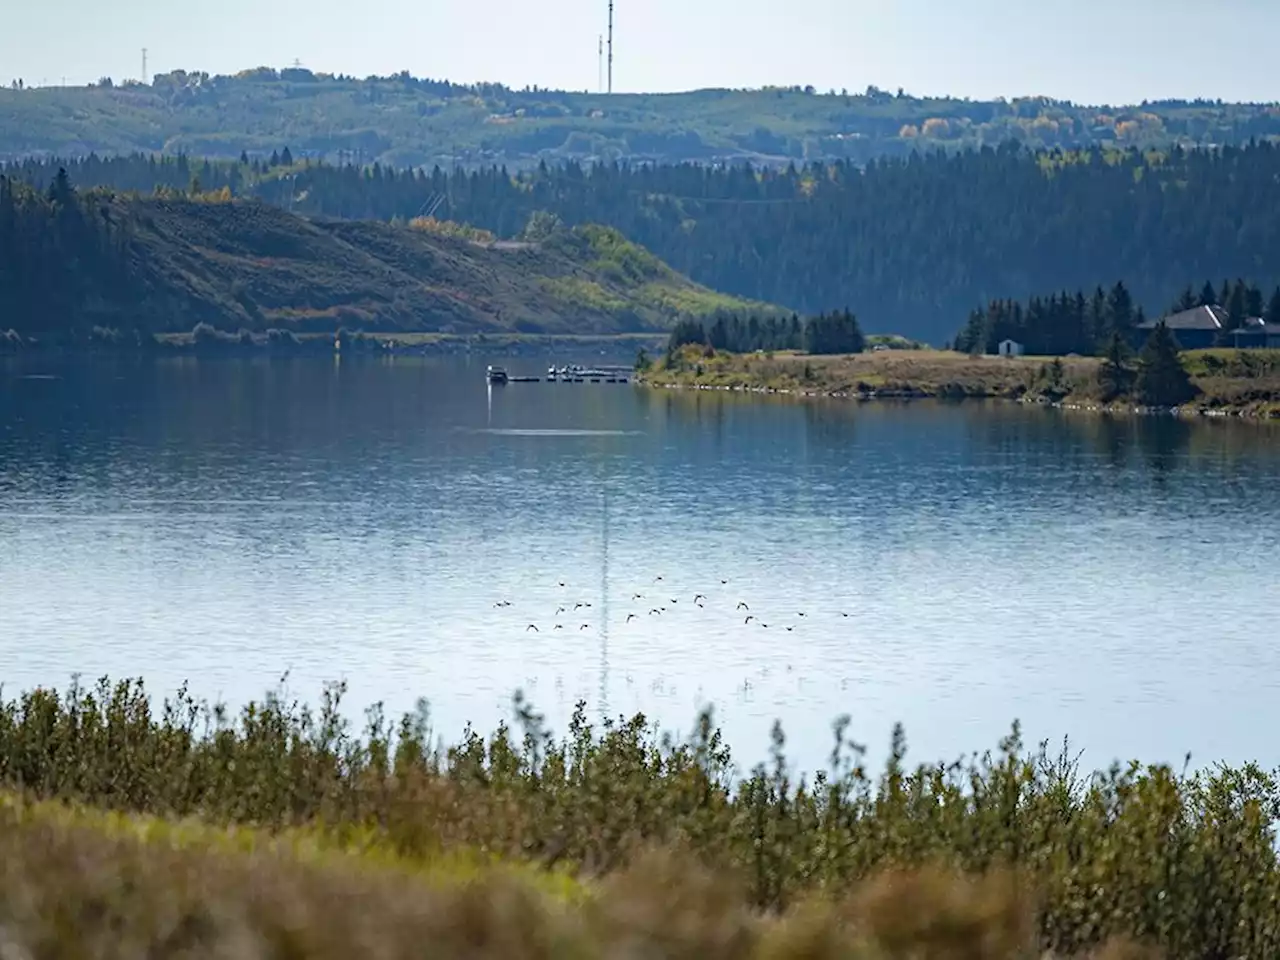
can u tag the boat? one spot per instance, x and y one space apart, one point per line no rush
497 374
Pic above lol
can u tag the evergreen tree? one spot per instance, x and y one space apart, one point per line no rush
1273 309
1114 373
1208 297
1253 306
1162 381
1236 306
1120 309
1186 300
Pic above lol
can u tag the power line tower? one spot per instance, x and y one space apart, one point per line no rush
610 88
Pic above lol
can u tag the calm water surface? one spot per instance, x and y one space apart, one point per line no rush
227 522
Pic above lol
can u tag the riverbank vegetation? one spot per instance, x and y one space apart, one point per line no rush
910 245
1010 854
832 333
1244 382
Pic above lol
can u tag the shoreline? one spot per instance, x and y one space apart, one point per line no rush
908 396
906 376
357 344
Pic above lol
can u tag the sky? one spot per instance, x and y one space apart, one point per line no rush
1090 51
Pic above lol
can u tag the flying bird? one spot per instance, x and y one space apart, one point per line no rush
742 606
532 627
578 606
800 614
637 596
559 610
657 579
674 600
701 596
503 603
748 620
655 610
789 629
557 627
844 614
585 626
630 617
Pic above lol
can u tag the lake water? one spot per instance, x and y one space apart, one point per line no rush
225 522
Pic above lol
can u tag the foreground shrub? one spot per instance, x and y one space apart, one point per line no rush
1183 861
75 884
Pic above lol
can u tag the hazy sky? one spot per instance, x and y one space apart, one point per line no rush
1086 50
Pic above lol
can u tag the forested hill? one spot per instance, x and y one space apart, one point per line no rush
406 121
909 245
70 261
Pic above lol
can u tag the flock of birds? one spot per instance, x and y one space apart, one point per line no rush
699 600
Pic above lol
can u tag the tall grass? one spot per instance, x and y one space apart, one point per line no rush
1183 861
74 884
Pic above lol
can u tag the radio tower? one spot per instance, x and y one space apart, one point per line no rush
144 66
610 88
600 64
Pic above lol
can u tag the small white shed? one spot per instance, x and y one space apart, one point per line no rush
1010 348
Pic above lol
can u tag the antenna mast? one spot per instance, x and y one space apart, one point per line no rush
600 64
610 88
144 66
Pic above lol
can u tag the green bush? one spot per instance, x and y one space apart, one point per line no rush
1187 862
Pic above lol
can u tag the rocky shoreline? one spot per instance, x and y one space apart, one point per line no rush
908 394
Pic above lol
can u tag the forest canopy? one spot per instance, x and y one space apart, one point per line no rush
910 245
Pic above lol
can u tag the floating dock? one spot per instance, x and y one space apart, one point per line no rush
569 374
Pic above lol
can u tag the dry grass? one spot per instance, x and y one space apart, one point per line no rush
1240 381
74 886
1184 862
923 372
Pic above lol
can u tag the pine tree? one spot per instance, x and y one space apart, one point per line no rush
1235 305
1253 301
1273 309
1208 297
1120 309
1114 373
1162 381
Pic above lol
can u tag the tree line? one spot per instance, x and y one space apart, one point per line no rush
910 243
1085 323
61 251
824 333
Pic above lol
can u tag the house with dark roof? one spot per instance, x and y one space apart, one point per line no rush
1194 329
1255 334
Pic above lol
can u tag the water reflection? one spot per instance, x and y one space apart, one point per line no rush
224 521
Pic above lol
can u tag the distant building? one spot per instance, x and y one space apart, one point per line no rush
1010 348
1194 329
1256 334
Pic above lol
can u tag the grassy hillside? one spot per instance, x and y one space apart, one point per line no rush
246 265
404 121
